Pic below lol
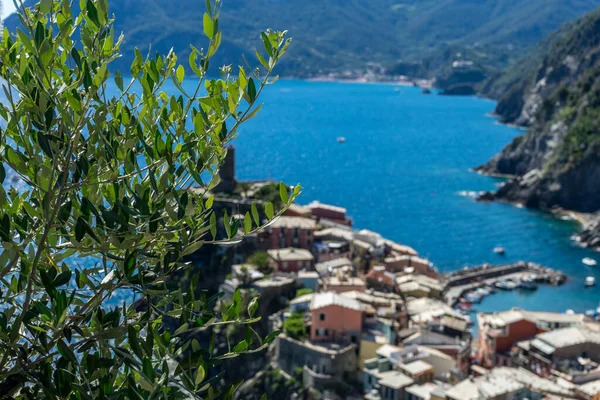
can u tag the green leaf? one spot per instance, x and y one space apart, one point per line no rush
66 351
213 225
252 307
262 60
227 224
283 193
62 279
200 374
209 202
180 73
129 265
247 223
192 248
132 337
119 80
92 12
241 347
79 229
209 26
269 210
5 228
271 336
237 302
251 90
255 216
148 369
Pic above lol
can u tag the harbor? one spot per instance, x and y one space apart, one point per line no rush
467 287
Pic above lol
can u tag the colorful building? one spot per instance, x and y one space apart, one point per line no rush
290 259
335 318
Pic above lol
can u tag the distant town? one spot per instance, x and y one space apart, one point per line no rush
364 317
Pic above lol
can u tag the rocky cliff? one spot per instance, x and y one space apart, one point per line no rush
556 94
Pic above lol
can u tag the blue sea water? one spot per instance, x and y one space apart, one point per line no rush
406 159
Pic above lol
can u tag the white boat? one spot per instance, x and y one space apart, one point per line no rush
499 250
590 262
341 139
590 281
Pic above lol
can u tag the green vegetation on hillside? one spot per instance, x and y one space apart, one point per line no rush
339 35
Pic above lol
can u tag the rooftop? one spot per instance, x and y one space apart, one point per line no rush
317 204
457 324
274 281
308 275
344 281
325 266
327 299
566 337
416 367
307 298
503 381
504 318
290 254
294 222
591 389
387 350
423 391
339 233
394 379
299 209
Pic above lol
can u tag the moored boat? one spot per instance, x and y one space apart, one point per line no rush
590 281
341 139
590 262
528 285
500 250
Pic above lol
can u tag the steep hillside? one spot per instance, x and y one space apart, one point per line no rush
557 162
336 35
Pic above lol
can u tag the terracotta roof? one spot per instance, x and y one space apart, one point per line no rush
294 222
317 204
290 254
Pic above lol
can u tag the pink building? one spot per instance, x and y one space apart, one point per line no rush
335 318
290 259
288 231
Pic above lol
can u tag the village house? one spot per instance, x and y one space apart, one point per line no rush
396 262
324 366
335 318
380 279
341 283
499 332
296 210
331 267
290 259
427 391
309 280
379 376
328 212
419 370
505 383
572 352
288 231
333 243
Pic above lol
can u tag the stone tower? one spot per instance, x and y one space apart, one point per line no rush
227 173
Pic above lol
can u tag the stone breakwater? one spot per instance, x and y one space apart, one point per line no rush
457 283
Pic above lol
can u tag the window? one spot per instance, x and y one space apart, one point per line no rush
284 265
322 317
296 232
